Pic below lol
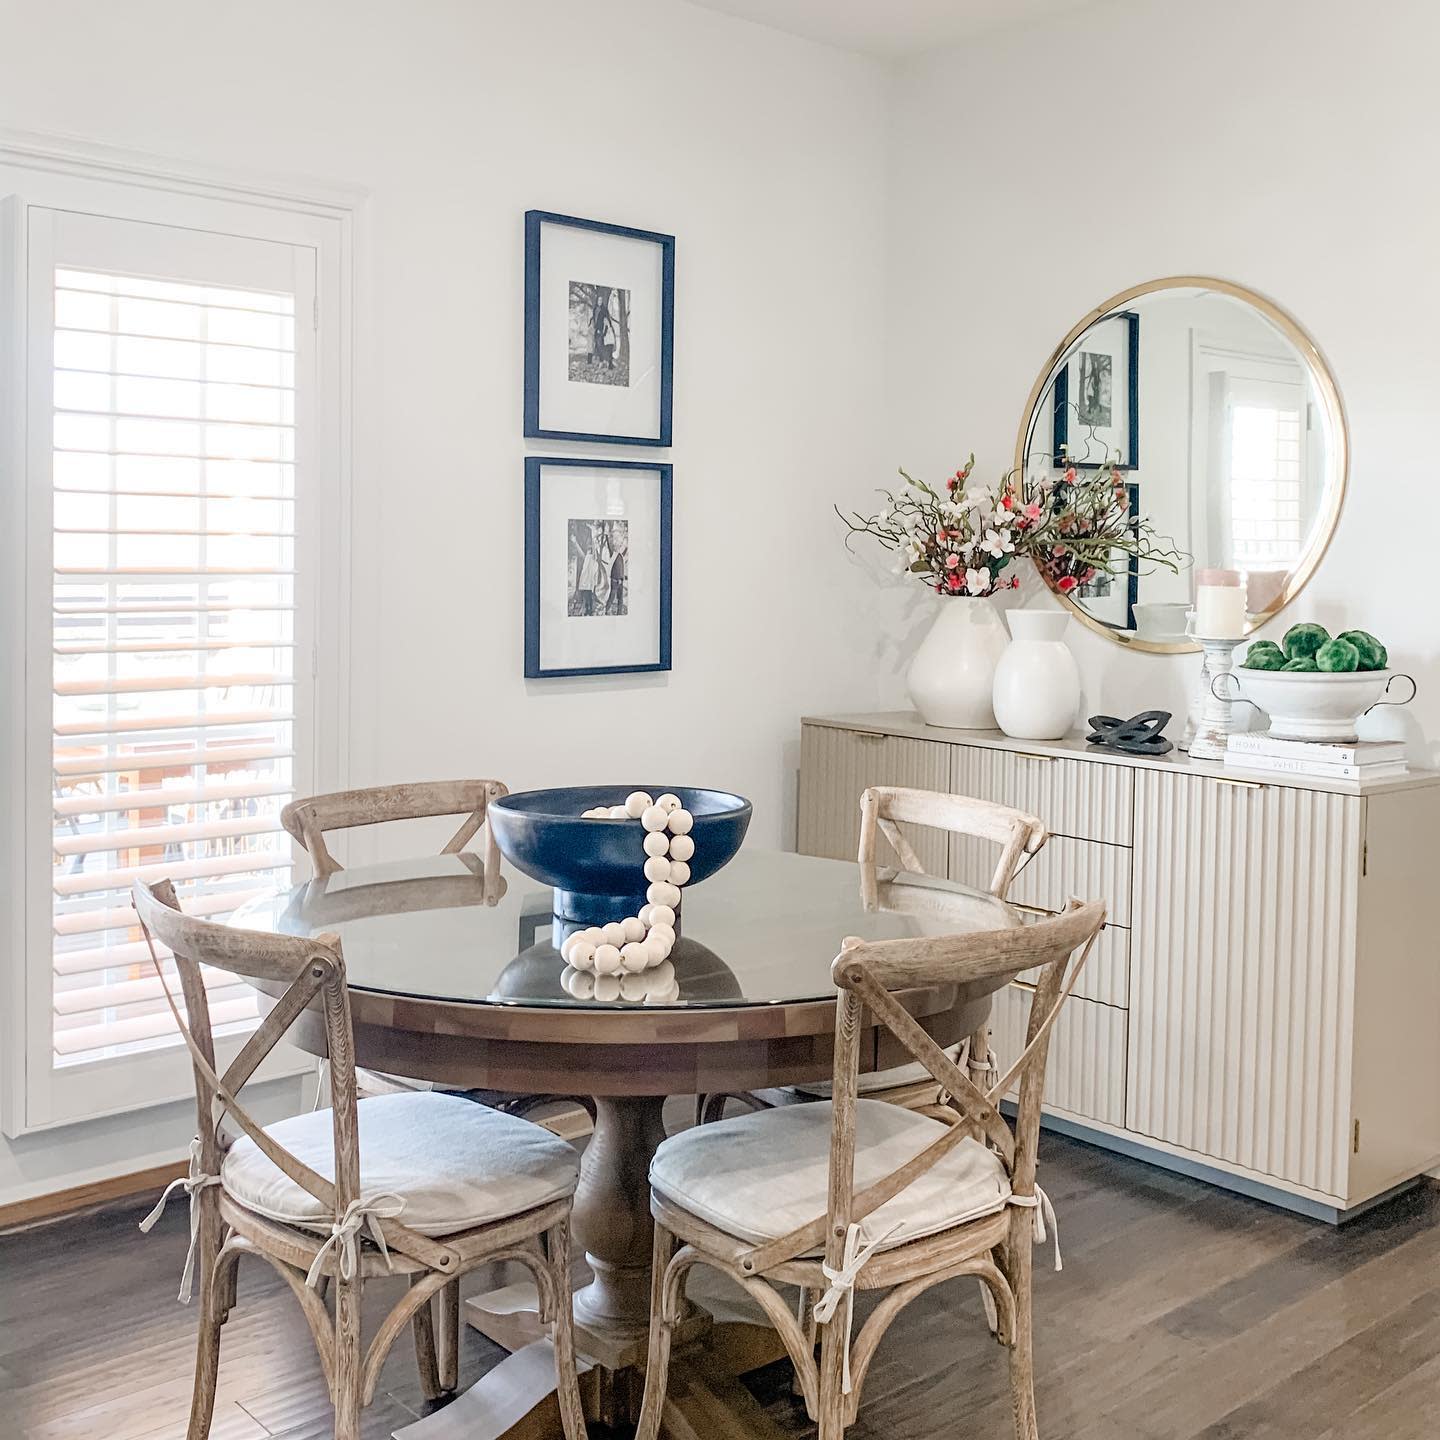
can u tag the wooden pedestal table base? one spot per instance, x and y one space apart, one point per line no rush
722 1339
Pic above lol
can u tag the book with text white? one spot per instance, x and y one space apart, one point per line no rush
1321 769
1359 752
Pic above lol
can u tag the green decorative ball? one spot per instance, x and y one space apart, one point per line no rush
1335 656
1264 655
1305 663
1304 641
1373 655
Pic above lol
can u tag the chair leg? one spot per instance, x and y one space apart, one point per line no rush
447 1336
207 1342
832 1397
1022 1364
805 1314
348 1359
567 1384
427 1359
657 1360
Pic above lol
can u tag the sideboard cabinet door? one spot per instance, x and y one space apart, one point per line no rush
836 765
1242 973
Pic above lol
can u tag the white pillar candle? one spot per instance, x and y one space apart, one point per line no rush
1219 605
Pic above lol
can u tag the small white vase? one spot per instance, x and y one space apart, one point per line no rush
953 672
1037 683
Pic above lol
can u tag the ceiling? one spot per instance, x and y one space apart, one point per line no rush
892 28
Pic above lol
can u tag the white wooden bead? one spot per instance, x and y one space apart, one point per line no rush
613 933
680 822
607 960
634 927
661 915
682 847
668 802
663 974
607 989
634 986
594 934
662 892
618 812
657 869
635 957
580 984
644 916
657 842
679 873
637 802
581 953
654 818
662 935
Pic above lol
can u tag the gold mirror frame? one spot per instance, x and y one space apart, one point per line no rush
1329 394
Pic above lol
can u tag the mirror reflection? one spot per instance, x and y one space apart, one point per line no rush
1224 426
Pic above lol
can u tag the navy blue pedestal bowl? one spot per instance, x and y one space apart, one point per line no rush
597 866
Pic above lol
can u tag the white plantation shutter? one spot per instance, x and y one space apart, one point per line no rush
174 634
171 404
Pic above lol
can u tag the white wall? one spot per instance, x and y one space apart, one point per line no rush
762 153
1284 145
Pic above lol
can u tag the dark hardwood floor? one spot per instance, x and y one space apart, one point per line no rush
1183 1313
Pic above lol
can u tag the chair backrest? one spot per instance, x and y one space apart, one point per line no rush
884 807
309 820
313 972
866 972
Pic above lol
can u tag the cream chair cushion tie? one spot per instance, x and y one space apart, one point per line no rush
362 1214
193 1182
842 1287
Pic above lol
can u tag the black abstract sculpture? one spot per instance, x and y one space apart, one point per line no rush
1139 735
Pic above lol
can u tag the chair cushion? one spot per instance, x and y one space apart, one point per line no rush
760 1176
876 1080
456 1164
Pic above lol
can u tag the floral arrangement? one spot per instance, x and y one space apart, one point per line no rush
1076 526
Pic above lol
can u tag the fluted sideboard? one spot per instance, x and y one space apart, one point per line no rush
1263 1008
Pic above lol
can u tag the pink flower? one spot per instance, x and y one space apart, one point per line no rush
1065 584
952 582
939 537
951 561
1032 510
1058 552
1070 476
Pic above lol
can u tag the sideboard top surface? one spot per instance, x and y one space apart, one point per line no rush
908 725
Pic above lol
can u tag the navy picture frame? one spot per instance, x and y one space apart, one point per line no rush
535 466
1062 399
535 220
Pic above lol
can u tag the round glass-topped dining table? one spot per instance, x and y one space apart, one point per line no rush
455 977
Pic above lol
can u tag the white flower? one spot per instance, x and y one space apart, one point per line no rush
979 495
998 543
977 581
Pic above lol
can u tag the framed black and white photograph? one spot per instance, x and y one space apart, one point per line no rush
597 566
1097 397
599 331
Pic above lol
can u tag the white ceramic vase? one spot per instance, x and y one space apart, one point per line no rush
1037 683
951 677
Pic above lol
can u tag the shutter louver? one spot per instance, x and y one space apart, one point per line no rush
174 638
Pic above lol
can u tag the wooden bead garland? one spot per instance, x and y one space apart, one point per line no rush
614 953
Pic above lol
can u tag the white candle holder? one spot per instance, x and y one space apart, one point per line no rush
1217 716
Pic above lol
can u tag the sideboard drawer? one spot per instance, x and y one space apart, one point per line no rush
1065 869
1087 799
837 765
1085 1073
1106 976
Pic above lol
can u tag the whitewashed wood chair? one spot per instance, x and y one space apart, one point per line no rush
883 809
852 1193
419 1184
309 819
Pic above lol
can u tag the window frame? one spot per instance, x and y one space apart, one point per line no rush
37 1096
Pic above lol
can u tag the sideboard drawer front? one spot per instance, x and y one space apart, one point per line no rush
1106 976
1087 799
1065 869
837 765
1085 1073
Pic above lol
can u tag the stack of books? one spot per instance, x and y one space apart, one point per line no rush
1349 765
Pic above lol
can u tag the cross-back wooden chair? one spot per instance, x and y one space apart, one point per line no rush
422 1185
883 809
310 819
854 1193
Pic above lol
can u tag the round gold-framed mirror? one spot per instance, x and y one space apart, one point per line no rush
1220 419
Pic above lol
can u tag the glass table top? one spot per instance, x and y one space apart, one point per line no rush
763 931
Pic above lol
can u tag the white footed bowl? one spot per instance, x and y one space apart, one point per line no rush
1314 705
